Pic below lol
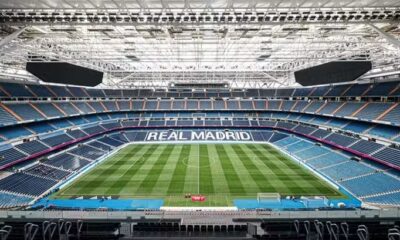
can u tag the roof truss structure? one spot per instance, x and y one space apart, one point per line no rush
139 43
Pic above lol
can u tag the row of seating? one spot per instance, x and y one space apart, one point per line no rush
20 151
337 166
27 111
26 184
25 130
46 171
8 200
344 90
369 182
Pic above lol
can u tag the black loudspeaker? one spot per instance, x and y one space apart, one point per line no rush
65 73
332 72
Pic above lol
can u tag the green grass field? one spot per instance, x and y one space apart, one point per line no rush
222 172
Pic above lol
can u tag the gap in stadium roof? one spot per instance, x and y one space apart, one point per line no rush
139 43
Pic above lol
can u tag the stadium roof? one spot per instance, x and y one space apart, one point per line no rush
153 43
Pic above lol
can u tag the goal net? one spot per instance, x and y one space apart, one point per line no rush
268 197
315 202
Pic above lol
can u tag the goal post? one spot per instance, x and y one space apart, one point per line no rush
315 201
268 197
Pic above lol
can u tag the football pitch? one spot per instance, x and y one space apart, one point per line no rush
220 172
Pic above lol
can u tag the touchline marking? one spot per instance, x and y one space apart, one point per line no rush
198 170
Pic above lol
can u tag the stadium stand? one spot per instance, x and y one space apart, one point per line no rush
67 161
32 147
200 119
26 184
47 172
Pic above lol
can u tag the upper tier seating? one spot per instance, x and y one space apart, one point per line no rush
60 91
337 90
49 110
56 140
340 139
357 127
10 155
372 110
77 92
381 89
330 107
383 131
320 133
6 118
14 132
393 116
348 109
76 133
304 129
68 108
44 110
83 107
390 155
111 106
367 147
40 91
33 91
25 111
32 147
16 90
356 90
93 129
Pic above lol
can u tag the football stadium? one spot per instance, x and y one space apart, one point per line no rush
178 119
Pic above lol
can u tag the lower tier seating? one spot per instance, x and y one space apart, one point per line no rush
8 200
47 172
347 170
86 152
26 184
67 161
363 180
386 199
372 184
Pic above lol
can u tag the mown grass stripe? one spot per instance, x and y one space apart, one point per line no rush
220 185
151 179
223 172
192 184
244 175
232 178
206 180
121 184
291 184
98 176
270 174
178 177
262 182
161 187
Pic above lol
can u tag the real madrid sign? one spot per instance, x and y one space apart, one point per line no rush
198 136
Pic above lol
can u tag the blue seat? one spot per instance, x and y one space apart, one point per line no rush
25 111
372 184
26 184
67 161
